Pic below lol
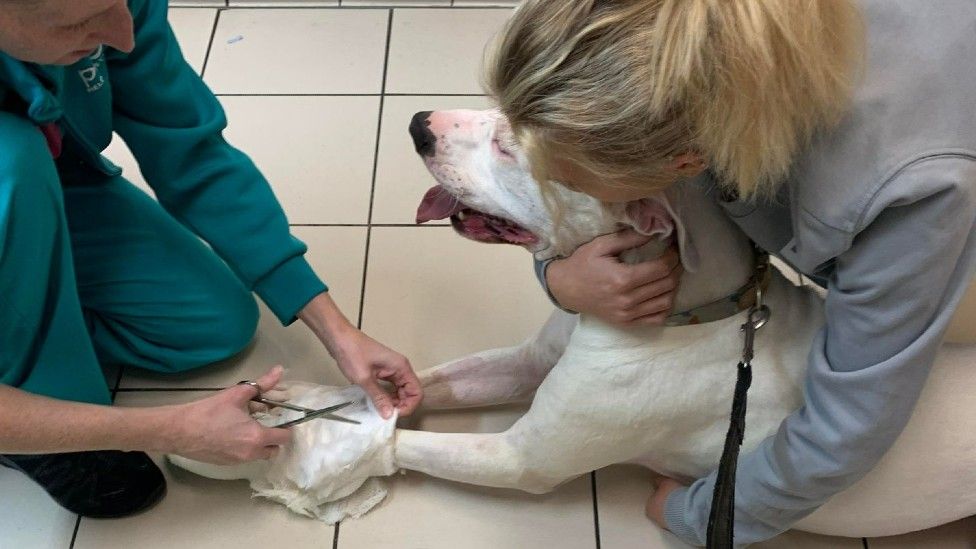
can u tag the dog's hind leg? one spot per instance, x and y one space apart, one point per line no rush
498 376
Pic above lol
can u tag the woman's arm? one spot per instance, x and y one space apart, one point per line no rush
890 301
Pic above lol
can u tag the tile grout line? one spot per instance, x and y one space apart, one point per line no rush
74 534
402 225
213 33
169 389
864 542
335 535
376 154
348 8
596 508
349 94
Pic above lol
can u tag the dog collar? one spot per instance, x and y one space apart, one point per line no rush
740 300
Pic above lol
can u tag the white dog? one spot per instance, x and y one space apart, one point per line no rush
657 396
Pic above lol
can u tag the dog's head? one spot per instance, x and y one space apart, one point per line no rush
486 189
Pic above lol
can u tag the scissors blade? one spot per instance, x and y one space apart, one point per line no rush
324 413
279 404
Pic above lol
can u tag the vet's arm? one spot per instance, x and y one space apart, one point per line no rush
890 301
594 281
217 429
173 124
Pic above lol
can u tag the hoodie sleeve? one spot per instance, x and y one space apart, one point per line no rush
173 124
890 300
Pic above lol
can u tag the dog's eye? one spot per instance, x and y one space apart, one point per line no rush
500 149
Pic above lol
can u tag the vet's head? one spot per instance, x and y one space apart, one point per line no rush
62 32
485 186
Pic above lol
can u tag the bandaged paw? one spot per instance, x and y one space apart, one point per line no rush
327 471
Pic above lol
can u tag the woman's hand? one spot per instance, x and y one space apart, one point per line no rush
363 360
594 281
655 504
219 429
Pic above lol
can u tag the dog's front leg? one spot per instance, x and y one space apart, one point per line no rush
498 376
484 459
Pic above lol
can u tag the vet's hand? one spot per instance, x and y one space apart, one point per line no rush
363 360
366 362
219 429
655 505
594 281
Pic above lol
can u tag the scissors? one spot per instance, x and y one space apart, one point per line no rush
310 414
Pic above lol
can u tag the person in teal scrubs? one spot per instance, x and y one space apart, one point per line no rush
94 273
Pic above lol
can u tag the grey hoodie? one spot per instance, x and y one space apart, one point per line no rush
881 212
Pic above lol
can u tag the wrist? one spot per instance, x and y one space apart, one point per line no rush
324 318
552 271
155 429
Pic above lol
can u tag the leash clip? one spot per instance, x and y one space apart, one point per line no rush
758 317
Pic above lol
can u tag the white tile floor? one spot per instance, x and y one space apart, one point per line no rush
306 97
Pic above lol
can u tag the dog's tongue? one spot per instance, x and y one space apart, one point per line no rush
437 204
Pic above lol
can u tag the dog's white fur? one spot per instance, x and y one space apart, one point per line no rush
661 397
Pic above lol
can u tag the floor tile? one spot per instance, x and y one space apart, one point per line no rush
473 3
298 51
622 493
193 28
401 178
336 253
282 3
435 296
30 518
202 513
196 3
440 50
118 152
960 534
317 152
396 3
321 171
429 513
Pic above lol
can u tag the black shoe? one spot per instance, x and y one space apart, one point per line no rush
105 484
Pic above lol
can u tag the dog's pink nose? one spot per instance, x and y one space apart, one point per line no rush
423 139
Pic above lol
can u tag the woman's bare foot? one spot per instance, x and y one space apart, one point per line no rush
655 503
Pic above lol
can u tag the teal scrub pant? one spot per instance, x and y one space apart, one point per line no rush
100 274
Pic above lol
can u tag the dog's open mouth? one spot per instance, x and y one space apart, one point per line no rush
439 204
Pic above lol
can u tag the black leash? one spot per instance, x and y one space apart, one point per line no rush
722 515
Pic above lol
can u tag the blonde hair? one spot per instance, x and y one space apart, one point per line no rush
620 88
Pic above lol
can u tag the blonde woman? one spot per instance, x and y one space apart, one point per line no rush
839 135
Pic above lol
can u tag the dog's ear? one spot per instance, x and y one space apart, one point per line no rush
655 216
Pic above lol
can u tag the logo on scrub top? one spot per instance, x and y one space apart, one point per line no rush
89 75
